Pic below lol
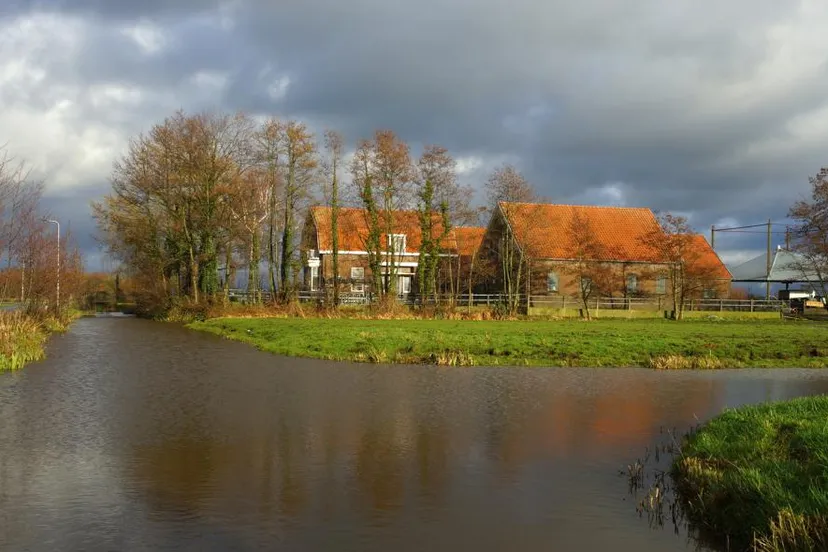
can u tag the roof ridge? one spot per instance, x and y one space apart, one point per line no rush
575 205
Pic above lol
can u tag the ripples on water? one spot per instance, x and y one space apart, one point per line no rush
137 435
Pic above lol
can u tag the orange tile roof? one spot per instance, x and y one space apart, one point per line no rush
542 229
468 239
708 258
353 231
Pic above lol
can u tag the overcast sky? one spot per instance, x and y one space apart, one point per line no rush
718 110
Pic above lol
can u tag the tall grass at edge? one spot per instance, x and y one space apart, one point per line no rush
21 339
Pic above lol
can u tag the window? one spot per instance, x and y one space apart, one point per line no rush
551 281
397 242
404 284
586 286
661 284
709 293
314 278
357 279
632 283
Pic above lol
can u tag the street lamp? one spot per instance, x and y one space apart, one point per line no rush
57 302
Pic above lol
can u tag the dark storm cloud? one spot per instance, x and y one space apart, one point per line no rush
686 106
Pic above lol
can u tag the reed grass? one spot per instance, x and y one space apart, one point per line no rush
21 340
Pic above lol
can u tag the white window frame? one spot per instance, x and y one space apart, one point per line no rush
409 279
552 276
393 240
358 287
314 278
585 284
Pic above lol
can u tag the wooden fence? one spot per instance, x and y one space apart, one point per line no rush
548 302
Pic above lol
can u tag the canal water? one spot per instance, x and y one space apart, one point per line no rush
136 435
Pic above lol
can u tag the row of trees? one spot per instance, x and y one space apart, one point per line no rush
197 192
33 262
198 195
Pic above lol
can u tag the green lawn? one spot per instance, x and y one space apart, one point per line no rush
654 343
758 476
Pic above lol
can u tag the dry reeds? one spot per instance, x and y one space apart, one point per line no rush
790 531
681 362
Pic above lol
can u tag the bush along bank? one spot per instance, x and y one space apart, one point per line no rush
756 478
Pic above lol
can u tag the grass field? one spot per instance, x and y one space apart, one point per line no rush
651 343
758 476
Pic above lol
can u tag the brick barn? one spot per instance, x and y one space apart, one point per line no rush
543 237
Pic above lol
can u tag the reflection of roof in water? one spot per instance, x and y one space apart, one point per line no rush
786 267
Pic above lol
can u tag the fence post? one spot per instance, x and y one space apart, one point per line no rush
721 305
597 303
751 305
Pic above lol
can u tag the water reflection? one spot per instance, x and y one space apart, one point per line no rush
142 435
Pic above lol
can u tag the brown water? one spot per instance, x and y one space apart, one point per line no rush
136 435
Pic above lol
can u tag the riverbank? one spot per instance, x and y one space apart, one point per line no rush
23 338
660 344
758 476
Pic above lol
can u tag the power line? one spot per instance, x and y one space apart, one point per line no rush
750 231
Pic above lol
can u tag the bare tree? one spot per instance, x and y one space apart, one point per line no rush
362 170
167 213
586 266
688 269
507 183
436 183
393 176
19 199
334 144
505 186
811 233
268 153
301 163
382 176
249 202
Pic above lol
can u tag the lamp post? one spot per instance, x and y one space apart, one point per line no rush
57 302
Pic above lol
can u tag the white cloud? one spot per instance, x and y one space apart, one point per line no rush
468 164
149 37
278 89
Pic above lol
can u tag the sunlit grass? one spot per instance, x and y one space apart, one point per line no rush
757 477
652 343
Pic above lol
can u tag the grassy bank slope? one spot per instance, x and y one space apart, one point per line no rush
656 343
758 476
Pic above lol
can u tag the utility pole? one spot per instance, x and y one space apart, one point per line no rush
713 237
767 278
